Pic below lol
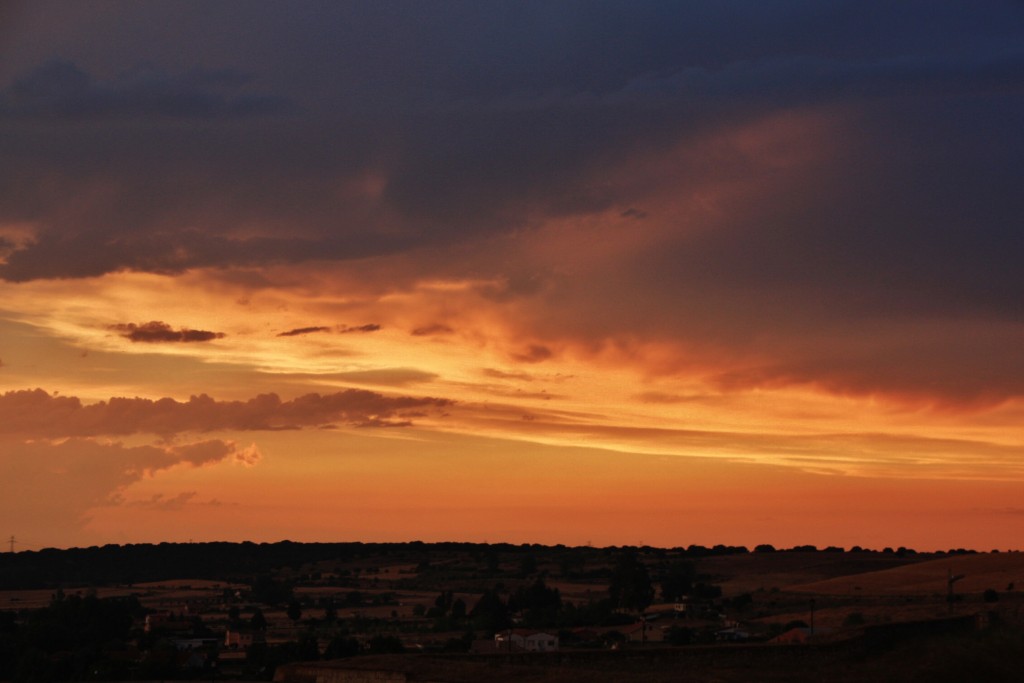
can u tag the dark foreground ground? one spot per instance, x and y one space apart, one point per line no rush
993 654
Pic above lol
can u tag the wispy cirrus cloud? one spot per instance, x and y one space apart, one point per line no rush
502 374
340 329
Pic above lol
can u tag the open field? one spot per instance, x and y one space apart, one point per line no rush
750 572
983 571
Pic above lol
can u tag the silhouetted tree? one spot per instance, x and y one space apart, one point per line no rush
630 586
678 580
258 622
539 604
458 610
442 603
490 613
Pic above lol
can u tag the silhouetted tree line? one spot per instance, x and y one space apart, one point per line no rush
134 563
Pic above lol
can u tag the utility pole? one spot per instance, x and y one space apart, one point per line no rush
949 583
11 541
812 617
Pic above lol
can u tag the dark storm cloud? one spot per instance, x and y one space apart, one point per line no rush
364 129
472 115
61 91
954 368
99 250
160 332
924 221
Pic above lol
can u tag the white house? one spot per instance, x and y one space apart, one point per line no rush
525 639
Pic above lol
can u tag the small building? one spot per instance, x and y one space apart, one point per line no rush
168 622
196 643
237 639
732 634
642 632
526 640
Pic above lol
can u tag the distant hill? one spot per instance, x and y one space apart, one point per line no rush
752 572
981 572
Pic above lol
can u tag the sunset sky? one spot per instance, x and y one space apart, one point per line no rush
617 273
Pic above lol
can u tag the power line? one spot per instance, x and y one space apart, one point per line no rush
12 541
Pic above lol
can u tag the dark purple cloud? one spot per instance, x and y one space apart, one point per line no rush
365 129
303 330
356 329
155 332
62 91
535 353
340 329
472 114
431 330
37 414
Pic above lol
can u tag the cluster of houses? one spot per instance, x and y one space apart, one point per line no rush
197 651
649 629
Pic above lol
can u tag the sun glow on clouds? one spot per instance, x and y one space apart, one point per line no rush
512 373
732 261
615 394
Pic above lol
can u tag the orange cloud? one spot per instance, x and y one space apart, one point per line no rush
58 483
535 353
